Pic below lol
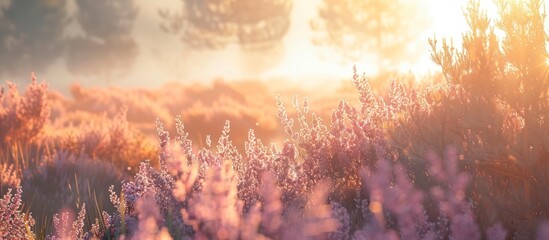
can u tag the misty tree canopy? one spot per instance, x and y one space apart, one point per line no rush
31 35
356 29
107 48
34 34
104 19
213 24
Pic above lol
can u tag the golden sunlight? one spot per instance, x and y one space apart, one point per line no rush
448 16
247 119
446 20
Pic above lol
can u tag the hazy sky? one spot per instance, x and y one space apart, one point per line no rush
163 58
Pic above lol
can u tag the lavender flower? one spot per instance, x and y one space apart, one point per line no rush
66 227
13 223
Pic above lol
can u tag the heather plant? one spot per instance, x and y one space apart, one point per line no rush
465 159
285 193
158 187
66 227
338 151
14 223
391 190
214 212
342 220
206 183
251 169
149 216
112 140
23 121
396 208
204 108
272 206
493 108
22 117
9 177
148 183
142 106
242 104
450 195
66 181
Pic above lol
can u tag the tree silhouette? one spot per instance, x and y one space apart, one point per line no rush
107 48
31 35
107 18
213 24
358 28
257 27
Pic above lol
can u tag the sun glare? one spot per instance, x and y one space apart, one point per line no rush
448 19
448 22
